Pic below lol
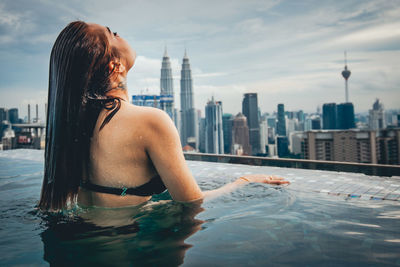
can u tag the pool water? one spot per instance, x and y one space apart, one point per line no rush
322 218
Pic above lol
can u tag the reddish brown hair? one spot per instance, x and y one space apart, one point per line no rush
78 83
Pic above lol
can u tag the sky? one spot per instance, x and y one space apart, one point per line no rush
289 52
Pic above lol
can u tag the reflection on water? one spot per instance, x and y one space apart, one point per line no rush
152 234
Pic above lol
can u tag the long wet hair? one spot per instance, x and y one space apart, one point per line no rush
79 79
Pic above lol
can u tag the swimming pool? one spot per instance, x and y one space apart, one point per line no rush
322 218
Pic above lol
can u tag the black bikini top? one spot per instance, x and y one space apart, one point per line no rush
154 186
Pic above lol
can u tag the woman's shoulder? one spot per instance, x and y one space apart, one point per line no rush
152 117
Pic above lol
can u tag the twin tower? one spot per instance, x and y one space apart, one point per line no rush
185 119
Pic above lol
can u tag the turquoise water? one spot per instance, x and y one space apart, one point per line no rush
322 218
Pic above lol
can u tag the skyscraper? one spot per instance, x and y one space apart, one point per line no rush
3 114
214 132
345 116
166 86
250 110
281 125
189 133
316 123
329 111
240 136
340 145
376 116
283 146
13 115
227 121
202 135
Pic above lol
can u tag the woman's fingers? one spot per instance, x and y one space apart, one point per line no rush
277 180
269 179
273 177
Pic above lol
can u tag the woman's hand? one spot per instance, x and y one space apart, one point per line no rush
263 178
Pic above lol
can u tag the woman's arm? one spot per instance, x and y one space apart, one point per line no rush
165 150
241 181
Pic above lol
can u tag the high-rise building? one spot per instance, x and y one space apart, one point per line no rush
13 115
202 135
227 121
329 112
300 116
282 143
271 120
281 125
3 114
147 100
345 116
214 132
398 120
340 145
250 110
263 135
167 86
376 118
177 120
3 122
388 146
316 123
189 126
240 136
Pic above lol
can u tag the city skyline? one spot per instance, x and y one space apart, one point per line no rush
282 50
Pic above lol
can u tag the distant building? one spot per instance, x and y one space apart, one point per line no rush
167 87
300 116
263 136
202 135
345 116
3 121
147 100
376 118
177 120
316 123
240 136
189 125
227 121
214 133
13 115
271 120
282 143
250 110
281 125
188 148
295 143
340 145
329 112
388 146
291 125
3 114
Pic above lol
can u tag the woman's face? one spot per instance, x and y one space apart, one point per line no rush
128 55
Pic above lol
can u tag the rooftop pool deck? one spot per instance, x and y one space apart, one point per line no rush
323 218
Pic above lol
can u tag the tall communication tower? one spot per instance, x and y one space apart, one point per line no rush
346 74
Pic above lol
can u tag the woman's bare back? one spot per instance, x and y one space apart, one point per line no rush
118 157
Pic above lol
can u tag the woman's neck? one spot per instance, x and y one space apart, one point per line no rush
119 89
118 93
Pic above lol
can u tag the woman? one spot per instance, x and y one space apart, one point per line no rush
100 149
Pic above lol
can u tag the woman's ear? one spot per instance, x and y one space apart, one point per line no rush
116 66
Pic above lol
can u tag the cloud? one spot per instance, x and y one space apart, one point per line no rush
287 51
